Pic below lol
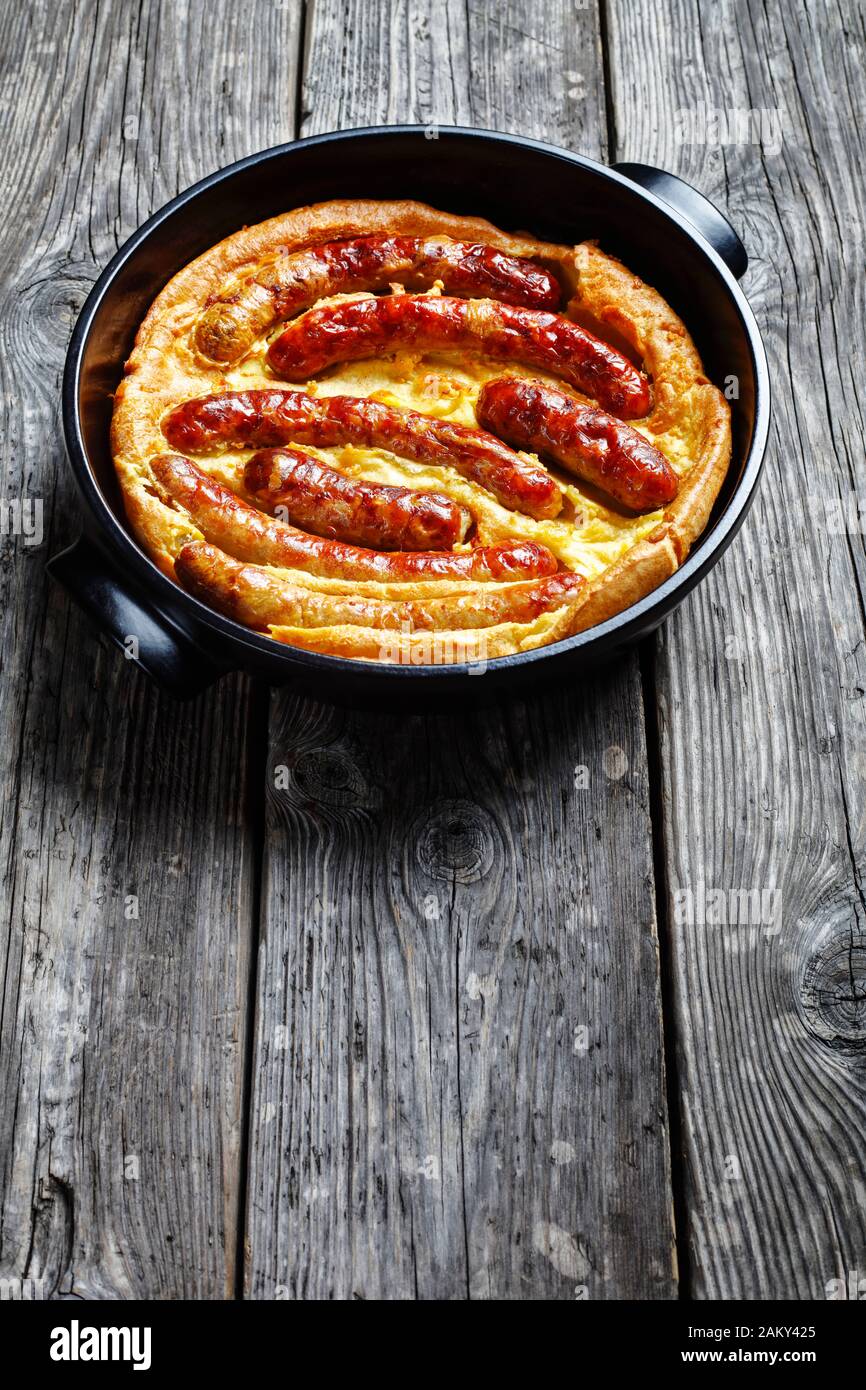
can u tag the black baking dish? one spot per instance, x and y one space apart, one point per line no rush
663 229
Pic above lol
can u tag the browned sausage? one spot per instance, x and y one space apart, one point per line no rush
286 285
433 323
264 418
603 451
319 499
253 596
240 530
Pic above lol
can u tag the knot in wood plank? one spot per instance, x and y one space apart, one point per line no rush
42 313
328 776
833 993
456 841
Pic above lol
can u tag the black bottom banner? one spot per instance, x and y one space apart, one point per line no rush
74 1338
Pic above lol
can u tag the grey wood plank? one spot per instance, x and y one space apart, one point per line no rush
127 856
761 675
458 1062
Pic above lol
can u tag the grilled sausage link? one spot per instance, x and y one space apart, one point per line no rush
290 283
374 327
595 447
244 532
266 418
319 499
253 596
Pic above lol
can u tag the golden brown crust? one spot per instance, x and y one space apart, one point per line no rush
622 559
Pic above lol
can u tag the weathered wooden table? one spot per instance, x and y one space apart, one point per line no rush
425 1023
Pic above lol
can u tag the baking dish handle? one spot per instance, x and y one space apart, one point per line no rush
704 216
162 651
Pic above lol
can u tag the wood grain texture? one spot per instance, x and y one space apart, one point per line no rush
122 1035
458 1069
761 676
